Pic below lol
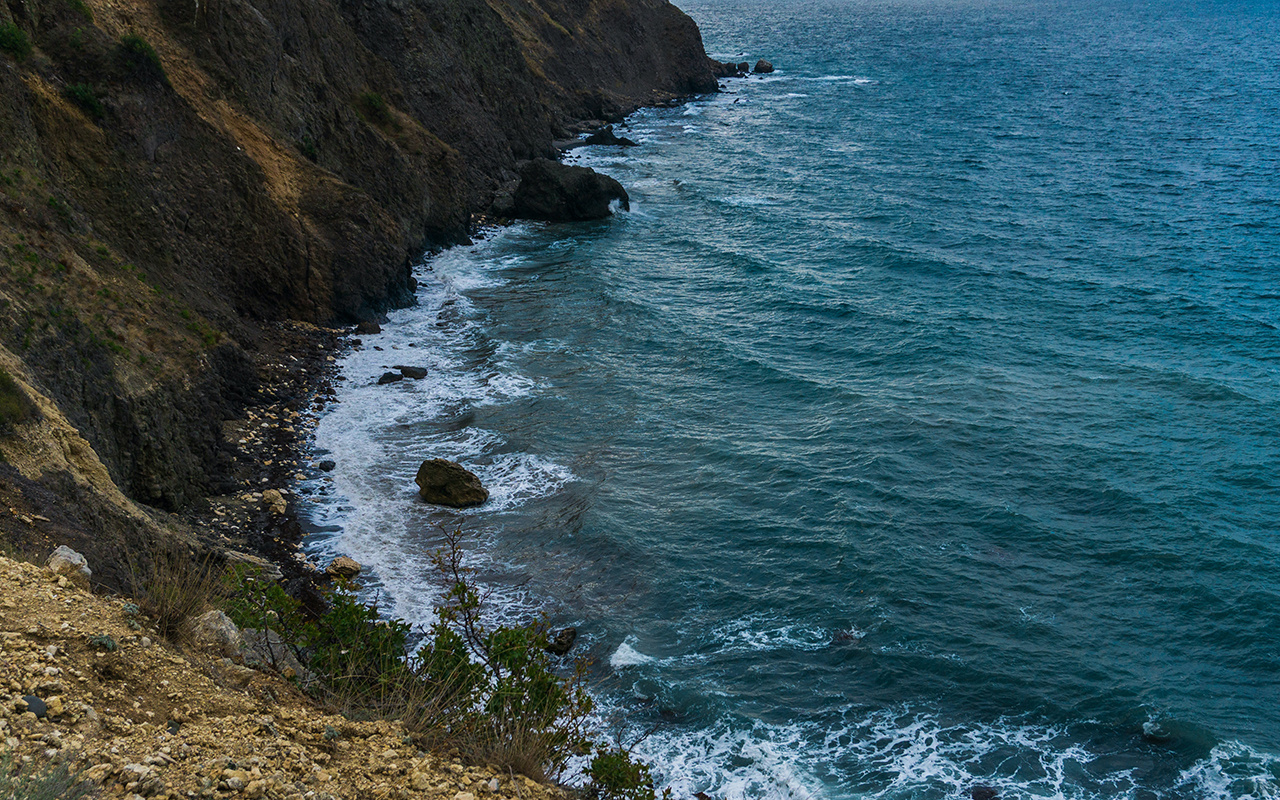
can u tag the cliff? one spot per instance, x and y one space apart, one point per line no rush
183 180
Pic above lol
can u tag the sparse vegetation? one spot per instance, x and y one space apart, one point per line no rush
14 41
139 59
173 587
86 99
307 146
15 406
82 8
54 781
374 109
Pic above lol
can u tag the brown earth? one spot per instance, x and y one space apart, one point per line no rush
154 721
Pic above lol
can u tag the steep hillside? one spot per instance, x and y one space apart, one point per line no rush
178 176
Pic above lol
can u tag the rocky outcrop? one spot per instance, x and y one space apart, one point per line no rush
191 174
549 190
447 483
763 67
344 568
605 136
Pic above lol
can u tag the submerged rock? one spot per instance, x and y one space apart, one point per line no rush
368 328
549 190
447 483
981 792
763 67
562 642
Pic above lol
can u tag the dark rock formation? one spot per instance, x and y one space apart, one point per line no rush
562 642
417 373
981 792
763 67
549 190
606 136
327 466
447 483
389 377
368 328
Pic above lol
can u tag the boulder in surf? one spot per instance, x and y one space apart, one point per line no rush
448 483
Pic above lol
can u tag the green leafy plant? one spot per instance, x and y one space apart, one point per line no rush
613 774
14 41
101 641
139 59
86 99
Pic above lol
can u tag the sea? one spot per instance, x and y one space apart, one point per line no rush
916 434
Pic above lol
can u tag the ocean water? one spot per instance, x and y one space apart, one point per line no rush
918 430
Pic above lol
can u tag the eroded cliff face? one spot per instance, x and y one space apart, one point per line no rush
175 175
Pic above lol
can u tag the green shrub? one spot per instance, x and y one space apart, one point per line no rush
614 775
55 781
82 8
374 109
86 99
139 59
15 406
14 42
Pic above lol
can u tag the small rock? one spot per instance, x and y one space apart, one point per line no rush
65 561
390 377
763 67
327 466
34 705
368 328
274 501
344 567
448 483
417 373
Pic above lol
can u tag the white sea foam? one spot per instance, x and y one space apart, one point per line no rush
628 656
378 435
1234 770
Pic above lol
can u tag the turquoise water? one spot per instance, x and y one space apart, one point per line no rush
917 429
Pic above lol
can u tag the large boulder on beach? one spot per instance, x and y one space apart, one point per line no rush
448 483
763 67
549 190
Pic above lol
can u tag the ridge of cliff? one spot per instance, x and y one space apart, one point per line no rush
184 183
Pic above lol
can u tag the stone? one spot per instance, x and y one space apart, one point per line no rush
763 67
327 466
981 792
343 567
215 631
549 190
274 501
368 328
390 377
35 705
417 373
67 562
562 642
448 483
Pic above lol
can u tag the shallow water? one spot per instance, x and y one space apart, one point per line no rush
916 430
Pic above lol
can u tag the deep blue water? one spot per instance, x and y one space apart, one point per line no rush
917 429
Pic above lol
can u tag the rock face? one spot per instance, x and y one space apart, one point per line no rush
68 562
763 67
447 483
549 190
